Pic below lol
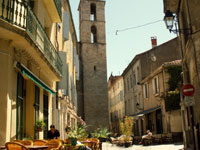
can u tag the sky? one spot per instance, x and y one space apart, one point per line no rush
128 14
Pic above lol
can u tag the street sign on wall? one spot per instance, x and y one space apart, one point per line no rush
189 101
188 90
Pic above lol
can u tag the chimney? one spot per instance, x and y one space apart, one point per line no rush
154 41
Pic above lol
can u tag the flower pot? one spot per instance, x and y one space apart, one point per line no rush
73 141
127 144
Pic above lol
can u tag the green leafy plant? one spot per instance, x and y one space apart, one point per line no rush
40 125
172 98
126 127
101 132
78 133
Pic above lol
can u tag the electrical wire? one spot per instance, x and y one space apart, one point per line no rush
139 26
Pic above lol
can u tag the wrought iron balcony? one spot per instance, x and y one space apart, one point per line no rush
18 13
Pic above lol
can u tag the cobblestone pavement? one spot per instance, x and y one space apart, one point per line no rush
108 146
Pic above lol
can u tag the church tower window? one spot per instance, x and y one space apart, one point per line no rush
92 12
93 34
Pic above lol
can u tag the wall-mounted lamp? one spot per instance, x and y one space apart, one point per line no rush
171 20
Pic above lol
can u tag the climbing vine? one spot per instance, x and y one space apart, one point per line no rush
172 99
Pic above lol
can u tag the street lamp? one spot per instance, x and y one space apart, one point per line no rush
171 20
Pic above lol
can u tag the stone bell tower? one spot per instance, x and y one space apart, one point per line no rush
93 106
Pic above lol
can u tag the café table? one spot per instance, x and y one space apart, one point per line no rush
31 147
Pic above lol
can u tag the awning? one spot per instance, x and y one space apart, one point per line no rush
146 111
35 79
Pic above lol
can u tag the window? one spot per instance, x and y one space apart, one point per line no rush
121 95
134 79
138 74
155 85
20 107
131 81
128 83
146 90
95 68
93 34
37 103
93 12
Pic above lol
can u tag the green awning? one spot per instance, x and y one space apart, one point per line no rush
35 79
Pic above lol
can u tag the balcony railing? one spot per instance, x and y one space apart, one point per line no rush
58 6
18 13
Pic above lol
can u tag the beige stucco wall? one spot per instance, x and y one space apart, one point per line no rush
133 93
171 121
114 102
15 47
175 121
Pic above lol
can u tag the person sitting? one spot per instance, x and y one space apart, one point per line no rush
53 133
147 136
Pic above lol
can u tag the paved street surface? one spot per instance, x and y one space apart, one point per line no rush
108 146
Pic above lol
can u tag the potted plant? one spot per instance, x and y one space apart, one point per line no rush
39 125
126 127
73 136
102 134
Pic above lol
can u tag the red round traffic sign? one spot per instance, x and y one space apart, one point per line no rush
188 90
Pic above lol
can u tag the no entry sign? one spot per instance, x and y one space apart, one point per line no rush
188 90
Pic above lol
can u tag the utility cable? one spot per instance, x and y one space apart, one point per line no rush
139 26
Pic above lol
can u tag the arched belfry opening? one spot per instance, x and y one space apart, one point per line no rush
93 34
92 12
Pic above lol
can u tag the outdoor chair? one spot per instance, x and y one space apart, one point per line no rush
97 145
15 146
26 142
39 142
114 140
54 144
147 142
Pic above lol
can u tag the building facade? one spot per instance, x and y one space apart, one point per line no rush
93 103
66 111
31 67
188 22
161 98
139 68
115 102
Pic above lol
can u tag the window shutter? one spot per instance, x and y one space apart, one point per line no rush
144 91
157 84
65 26
153 85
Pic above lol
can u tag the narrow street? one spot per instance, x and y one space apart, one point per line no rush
108 146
